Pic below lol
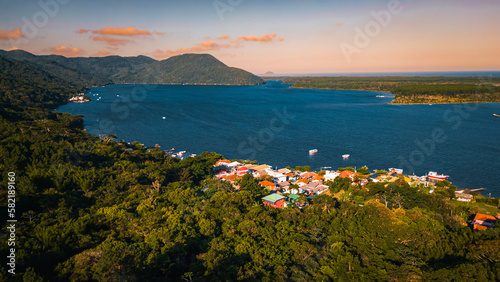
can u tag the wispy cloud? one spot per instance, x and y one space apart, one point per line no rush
222 37
67 51
129 31
5 34
112 41
201 47
263 38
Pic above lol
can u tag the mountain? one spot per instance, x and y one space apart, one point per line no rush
182 69
195 69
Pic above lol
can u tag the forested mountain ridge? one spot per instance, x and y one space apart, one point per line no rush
98 209
98 71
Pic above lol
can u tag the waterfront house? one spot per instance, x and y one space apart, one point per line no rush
275 201
284 170
395 171
463 196
346 174
330 175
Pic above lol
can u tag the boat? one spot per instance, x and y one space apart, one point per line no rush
495 115
346 156
163 117
181 153
157 146
434 176
382 96
313 152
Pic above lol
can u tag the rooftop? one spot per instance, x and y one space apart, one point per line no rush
273 198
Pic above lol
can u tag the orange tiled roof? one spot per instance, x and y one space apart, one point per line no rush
266 183
309 174
346 173
303 180
484 217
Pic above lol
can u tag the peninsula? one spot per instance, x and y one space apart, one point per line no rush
411 90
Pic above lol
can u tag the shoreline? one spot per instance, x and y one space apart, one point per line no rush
395 96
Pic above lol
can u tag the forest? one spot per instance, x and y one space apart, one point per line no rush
411 90
94 208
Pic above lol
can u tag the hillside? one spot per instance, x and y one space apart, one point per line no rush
183 69
26 85
98 209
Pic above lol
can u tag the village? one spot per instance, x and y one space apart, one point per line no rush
80 98
288 187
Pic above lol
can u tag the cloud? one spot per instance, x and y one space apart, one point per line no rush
66 51
13 48
82 30
129 31
103 53
112 41
5 34
223 37
201 47
339 24
263 38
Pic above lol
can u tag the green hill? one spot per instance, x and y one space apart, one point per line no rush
183 69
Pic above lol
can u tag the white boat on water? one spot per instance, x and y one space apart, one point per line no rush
313 152
346 156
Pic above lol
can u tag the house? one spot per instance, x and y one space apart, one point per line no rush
275 201
330 175
260 167
482 221
242 171
223 163
375 177
268 184
346 174
309 175
278 176
463 196
284 185
302 182
395 171
259 173
314 188
284 170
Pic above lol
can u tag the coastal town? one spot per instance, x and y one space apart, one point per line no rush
288 187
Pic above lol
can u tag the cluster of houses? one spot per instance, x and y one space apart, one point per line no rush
295 183
80 98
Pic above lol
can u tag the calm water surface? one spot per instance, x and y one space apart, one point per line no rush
277 125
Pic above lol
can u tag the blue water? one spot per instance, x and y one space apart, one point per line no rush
277 125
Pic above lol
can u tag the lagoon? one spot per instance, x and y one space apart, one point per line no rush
278 125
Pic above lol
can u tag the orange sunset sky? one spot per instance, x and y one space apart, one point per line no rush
308 36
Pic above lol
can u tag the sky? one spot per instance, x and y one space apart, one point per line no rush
285 37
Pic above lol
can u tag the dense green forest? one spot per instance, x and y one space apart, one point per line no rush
411 90
98 71
99 209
